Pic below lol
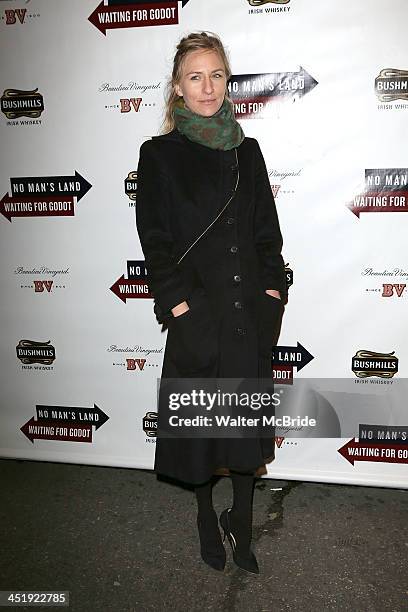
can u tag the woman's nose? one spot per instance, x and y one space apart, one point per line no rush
208 85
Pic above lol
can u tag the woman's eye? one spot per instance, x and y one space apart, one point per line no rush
218 75
194 77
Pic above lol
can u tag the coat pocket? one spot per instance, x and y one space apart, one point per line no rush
269 319
193 337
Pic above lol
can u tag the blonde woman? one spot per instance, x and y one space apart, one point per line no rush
210 234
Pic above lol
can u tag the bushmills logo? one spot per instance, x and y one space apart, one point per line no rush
16 103
30 351
261 2
392 84
149 424
369 363
262 8
289 276
131 187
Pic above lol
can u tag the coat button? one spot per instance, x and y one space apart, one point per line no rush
241 331
237 278
230 220
234 249
238 305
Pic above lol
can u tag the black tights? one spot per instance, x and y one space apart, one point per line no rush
241 511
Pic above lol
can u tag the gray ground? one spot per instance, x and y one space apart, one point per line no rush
121 540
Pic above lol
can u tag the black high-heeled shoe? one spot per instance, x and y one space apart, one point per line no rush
212 548
247 561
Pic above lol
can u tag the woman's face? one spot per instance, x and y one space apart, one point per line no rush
202 83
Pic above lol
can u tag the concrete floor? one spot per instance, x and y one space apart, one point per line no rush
121 540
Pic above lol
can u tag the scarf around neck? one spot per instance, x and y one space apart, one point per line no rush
220 131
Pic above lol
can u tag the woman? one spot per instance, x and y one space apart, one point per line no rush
210 235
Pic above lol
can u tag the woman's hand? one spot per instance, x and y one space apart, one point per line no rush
274 293
180 309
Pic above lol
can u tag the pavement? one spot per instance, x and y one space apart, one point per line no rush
123 540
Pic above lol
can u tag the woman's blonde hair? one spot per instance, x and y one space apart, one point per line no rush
196 41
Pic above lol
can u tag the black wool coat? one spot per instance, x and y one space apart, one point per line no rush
232 324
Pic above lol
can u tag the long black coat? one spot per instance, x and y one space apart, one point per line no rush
232 323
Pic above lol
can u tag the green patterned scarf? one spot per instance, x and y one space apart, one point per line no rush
221 131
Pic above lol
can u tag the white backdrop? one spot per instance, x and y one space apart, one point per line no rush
76 99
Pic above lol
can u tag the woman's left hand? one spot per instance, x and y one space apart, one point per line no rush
274 293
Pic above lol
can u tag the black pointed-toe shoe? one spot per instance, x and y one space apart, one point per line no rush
212 548
246 560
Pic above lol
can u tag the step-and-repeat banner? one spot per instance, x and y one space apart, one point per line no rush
323 86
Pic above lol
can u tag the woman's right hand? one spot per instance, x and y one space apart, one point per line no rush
193 338
180 309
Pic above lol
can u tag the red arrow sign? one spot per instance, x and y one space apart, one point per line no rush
126 288
134 16
383 201
282 374
57 430
384 453
38 206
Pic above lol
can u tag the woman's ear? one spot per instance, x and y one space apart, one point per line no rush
178 91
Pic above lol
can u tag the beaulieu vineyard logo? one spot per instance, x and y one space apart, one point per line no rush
47 196
390 288
135 358
281 181
386 283
386 190
134 14
254 95
50 280
143 98
20 16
